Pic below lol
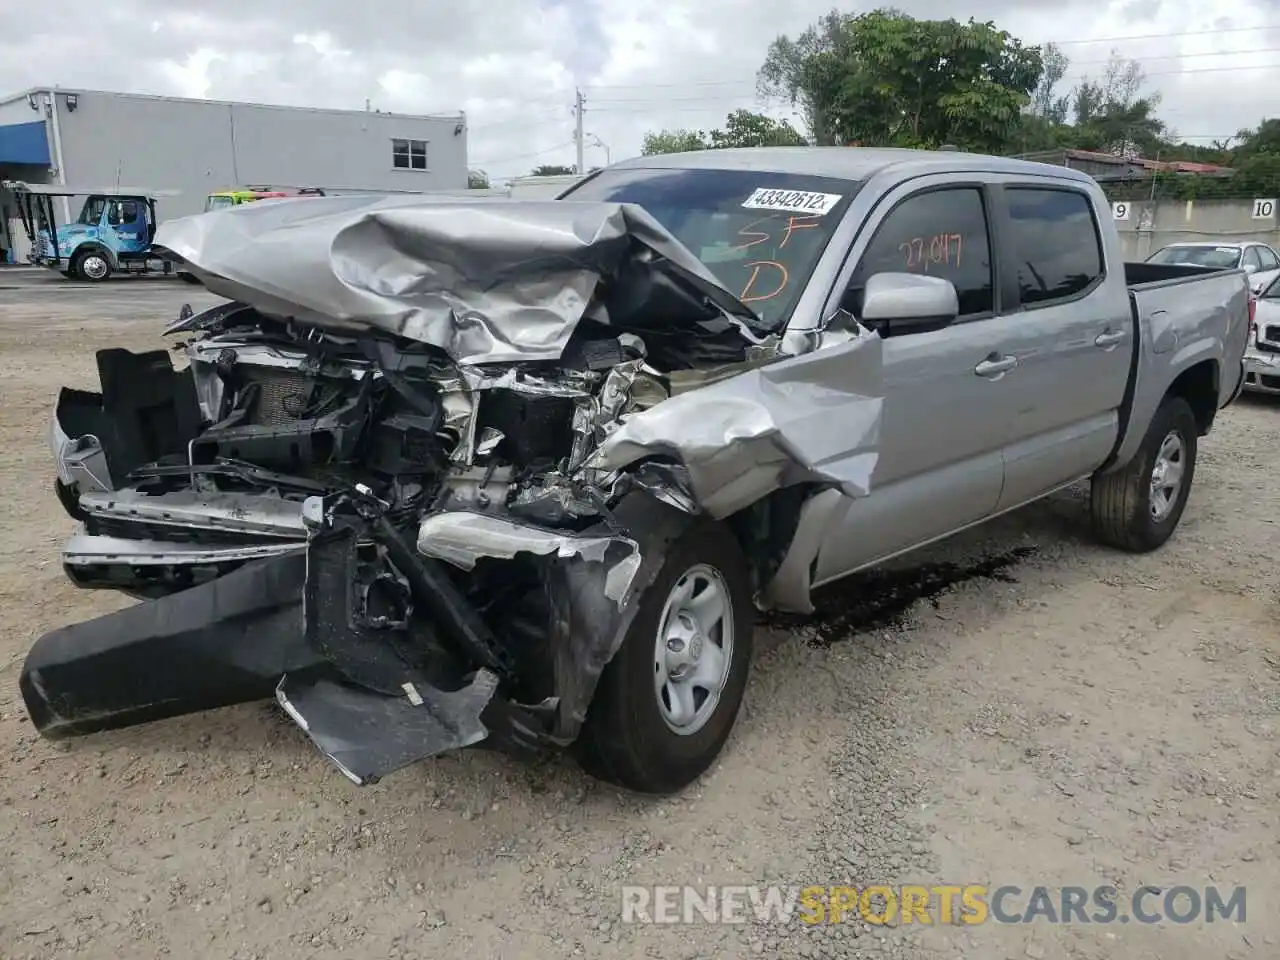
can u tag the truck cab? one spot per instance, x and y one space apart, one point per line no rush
111 234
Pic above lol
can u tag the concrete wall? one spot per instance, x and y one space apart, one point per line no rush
198 147
1152 225
541 188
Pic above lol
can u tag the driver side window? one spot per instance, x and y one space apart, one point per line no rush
940 233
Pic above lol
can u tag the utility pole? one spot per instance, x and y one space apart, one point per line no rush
577 133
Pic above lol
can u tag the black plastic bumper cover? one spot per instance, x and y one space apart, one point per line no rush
224 642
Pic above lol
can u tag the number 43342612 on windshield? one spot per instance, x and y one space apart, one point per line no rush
941 249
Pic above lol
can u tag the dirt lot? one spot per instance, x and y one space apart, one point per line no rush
1045 712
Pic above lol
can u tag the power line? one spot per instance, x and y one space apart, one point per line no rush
1160 36
523 121
521 156
612 105
1074 63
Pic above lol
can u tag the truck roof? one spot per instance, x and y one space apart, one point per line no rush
846 163
1214 243
58 190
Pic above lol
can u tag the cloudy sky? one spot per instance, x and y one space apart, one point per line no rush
513 65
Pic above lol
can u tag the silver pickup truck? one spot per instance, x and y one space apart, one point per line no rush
442 473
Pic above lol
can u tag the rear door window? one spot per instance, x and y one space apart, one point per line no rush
1055 243
1268 258
942 233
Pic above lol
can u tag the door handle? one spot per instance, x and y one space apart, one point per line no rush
995 366
1109 338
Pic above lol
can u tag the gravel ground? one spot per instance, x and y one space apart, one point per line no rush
1014 706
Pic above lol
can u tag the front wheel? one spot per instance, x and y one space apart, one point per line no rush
1137 507
92 266
666 703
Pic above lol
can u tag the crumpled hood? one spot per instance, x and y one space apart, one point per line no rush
488 281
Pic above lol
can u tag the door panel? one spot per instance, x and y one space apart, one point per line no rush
1073 340
940 465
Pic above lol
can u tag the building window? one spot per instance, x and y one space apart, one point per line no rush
409 154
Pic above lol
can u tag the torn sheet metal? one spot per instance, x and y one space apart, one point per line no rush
813 417
463 538
368 735
488 281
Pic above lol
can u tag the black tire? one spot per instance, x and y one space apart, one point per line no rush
1121 501
78 266
625 740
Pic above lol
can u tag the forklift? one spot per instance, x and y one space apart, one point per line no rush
112 234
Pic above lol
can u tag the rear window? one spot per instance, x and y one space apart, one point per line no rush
760 234
1206 255
1056 243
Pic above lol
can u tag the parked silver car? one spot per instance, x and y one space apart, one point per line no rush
521 472
1259 260
1262 358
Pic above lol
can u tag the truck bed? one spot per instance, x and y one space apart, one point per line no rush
1182 316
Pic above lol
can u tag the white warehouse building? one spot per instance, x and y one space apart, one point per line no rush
94 138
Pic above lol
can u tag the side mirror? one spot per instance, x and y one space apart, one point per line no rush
897 304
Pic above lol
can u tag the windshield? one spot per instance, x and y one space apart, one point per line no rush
1208 255
760 234
216 202
91 212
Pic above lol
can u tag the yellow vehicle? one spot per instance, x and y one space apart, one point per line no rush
222 199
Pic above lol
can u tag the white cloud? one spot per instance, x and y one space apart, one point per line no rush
512 65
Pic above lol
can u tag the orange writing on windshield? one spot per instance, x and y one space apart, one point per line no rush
769 278
941 249
763 274
793 224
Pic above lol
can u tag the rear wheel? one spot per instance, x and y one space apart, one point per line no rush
1138 507
91 265
667 701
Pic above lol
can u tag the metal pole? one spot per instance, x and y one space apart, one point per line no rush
577 133
57 153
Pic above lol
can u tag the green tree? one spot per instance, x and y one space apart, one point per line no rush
1112 113
742 128
551 170
1265 138
1045 101
673 141
807 71
886 79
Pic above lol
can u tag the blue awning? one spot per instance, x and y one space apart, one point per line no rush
24 143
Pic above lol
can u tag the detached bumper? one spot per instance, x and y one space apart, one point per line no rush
325 632
225 642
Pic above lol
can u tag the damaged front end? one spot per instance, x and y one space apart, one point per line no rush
417 502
